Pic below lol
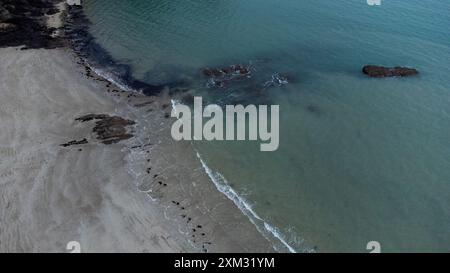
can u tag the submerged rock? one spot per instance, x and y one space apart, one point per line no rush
375 71
219 77
227 71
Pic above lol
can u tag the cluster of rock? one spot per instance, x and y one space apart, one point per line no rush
231 70
241 83
219 77
23 23
109 129
375 71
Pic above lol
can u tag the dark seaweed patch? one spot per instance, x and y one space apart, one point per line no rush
84 44
22 23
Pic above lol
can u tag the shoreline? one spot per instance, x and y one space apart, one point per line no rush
120 75
172 216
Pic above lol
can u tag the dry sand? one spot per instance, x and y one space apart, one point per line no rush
51 195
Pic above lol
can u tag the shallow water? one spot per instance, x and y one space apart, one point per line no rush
360 159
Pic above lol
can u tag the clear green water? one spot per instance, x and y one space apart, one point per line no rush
360 159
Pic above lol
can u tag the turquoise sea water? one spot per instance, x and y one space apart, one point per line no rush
360 159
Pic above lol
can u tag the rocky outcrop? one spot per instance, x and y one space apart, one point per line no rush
91 117
375 71
109 129
112 129
220 77
75 142
231 70
23 23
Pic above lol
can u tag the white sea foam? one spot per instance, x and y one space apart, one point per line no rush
110 77
174 105
278 235
222 185
266 229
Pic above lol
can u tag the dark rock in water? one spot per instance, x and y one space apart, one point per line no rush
240 83
213 72
243 71
207 72
75 142
233 69
383 72
219 77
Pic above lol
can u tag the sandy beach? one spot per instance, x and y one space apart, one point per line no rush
51 195
111 186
